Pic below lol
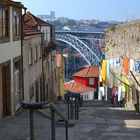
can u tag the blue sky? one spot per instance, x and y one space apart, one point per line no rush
119 10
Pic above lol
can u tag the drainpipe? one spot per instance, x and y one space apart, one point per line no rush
43 56
22 38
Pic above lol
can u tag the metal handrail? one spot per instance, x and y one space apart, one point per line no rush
58 112
35 107
73 105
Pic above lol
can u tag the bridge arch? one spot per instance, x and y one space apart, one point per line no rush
90 57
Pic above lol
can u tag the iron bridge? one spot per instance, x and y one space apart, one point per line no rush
84 43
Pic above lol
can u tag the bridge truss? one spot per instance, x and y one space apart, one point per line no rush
81 45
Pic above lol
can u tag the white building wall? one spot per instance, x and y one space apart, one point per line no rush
9 51
31 73
88 95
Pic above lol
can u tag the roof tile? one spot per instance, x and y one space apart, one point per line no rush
28 30
89 71
75 87
32 20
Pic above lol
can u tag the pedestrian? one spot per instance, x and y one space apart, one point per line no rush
113 95
123 90
120 96
116 96
135 98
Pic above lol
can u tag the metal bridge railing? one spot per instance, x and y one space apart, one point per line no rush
35 108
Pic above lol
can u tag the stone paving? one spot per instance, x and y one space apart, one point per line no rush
97 122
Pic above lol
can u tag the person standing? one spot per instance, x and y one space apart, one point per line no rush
123 93
113 95
135 98
119 95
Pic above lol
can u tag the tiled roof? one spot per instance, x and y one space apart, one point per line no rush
89 71
13 3
28 30
32 20
75 87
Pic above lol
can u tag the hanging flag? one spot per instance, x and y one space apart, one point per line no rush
126 65
104 71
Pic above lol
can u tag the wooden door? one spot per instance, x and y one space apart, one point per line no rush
6 90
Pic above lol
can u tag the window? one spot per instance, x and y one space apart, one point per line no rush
86 96
37 91
30 56
4 22
39 51
91 81
16 23
31 92
35 53
17 81
46 36
41 88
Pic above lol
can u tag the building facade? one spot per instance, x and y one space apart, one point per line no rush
10 57
88 76
32 64
85 82
49 53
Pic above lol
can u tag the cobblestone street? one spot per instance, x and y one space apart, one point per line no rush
97 122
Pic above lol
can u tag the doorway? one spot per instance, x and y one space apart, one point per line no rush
6 93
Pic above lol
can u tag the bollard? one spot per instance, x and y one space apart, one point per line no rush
31 124
68 108
71 109
75 102
77 110
66 125
53 123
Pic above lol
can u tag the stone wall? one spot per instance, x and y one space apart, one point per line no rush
1 102
124 40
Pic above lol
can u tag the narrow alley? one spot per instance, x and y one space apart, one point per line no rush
97 121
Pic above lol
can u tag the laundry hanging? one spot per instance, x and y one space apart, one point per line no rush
117 62
108 68
127 89
126 65
104 62
137 66
111 63
131 64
